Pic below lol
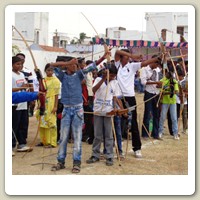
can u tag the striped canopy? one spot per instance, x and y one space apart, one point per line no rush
138 43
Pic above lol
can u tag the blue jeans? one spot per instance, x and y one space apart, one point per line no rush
72 120
150 108
173 115
118 130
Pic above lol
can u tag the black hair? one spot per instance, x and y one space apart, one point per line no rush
15 59
88 62
179 60
178 67
171 68
154 56
180 72
113 69
47 66
126 50
159 59
21 54
80 60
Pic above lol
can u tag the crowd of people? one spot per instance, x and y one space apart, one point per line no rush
85 103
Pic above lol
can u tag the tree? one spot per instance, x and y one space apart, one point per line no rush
75 40
82 36
15 50
72 41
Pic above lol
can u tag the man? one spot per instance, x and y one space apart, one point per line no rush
150 79
125 76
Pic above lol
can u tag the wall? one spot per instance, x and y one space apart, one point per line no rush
28 23
41 58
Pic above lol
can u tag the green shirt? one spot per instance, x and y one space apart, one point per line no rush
166 98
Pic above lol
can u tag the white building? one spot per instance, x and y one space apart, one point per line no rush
174 24
33 26
60 39
120 33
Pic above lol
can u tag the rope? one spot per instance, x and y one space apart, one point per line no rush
99 114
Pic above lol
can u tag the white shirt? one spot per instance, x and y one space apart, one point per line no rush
35 84
183 85
89 82
103 101
126 77
17 81
150 75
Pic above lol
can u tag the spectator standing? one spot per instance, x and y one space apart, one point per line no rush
48 125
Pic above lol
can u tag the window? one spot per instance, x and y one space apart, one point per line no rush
116 34
37 37
63 43
180 30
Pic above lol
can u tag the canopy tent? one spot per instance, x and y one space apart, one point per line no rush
138 43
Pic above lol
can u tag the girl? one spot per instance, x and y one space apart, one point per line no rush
48 129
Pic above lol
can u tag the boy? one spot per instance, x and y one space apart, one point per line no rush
105 95
20 114
169 102
72 115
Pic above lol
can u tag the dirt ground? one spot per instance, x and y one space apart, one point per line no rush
166 157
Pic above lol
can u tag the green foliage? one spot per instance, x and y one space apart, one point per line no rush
15 50
82 36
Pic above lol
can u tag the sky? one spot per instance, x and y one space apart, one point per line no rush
100 21
69 18
101 17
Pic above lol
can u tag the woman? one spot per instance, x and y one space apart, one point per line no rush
48 129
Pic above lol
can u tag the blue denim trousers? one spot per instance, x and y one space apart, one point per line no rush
150 109
118 130
72 121
173 114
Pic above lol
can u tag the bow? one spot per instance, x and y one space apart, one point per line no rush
164 59
38 74
108 62
184 67
41 89
181 92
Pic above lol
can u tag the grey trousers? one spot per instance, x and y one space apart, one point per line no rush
102 126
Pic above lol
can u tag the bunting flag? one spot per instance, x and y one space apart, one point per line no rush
138 43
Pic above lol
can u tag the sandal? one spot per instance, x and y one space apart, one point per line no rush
58 167
49 146
39 144
76 169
